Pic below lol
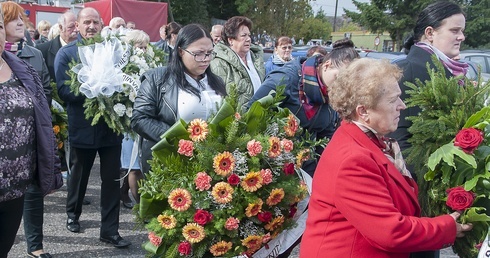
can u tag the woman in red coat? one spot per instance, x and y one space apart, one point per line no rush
364 201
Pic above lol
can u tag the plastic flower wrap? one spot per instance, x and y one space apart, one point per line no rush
227 186
108 76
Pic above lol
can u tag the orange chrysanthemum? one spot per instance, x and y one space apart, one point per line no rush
224 163
180 199
275 223
167 221
193 233
292 126
275 197
220 248
198 130
302 156
56 129
274 147
252 242
222 192
254 208
252 182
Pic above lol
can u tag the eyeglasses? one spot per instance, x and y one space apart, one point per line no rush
286 47
201 56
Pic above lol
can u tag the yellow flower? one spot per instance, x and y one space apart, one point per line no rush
254 208
220 248
302 156
292 126
193 233
252 242
56 129
180 199
222 192
167 221
224 163
274 147
198 130
275 197
252 182
275 223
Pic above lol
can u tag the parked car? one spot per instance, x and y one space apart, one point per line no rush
479 57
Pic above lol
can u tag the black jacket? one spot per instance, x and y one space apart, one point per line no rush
49 50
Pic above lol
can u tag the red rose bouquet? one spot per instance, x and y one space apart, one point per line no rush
227 186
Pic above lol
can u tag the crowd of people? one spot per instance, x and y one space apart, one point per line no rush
360 180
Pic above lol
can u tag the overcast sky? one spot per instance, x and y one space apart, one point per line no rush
328 6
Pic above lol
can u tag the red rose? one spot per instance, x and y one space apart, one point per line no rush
292 211
265 216
459 199
202 217
185 248
233 179
468 139
288 168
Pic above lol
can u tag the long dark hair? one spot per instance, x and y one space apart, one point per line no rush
343 51
432 16
176 69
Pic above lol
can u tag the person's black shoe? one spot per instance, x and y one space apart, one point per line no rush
116 241
43 255
73 225
86 201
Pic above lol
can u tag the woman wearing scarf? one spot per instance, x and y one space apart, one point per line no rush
306 82
282 54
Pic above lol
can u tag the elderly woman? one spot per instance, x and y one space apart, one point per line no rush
282 54
361 184
237 60
28 148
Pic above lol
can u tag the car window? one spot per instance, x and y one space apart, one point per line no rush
481 61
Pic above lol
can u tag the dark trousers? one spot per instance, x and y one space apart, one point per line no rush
34 217
10 217
82 161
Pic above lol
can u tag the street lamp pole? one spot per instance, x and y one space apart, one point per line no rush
335 15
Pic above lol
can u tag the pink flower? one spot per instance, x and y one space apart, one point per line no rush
254 148
154 239
266 238
237 116
287 145
202 181
233 179
266 176
232 223
186 148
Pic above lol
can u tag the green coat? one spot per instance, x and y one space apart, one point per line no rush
228 66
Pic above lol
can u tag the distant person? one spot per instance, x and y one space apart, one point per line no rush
117 23
171 31
43 29
301 42
316 50
130 25
216 31
282 54
239 61
54 31
162 43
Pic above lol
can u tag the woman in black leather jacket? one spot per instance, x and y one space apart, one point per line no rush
181 90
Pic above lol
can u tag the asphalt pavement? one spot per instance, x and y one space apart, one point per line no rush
60 242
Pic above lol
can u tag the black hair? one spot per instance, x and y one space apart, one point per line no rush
176 69
343 50
172 28
433 15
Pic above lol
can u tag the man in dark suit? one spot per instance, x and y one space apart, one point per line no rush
86 141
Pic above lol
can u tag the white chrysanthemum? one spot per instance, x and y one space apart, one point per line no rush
120 109
129 111
132 96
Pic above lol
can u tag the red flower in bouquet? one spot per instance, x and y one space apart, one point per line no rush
468 139
459 199
264 216
185 248
233 179
288 168
202 217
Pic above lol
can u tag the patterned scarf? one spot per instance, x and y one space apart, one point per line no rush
16 47
455 67
312 92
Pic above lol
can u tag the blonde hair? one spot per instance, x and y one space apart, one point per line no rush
43 25
54 31
361 83
136 36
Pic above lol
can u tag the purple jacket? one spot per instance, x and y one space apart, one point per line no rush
48 173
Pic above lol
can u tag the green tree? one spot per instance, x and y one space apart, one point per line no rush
190 11
313 28
477 31
222 9
349 26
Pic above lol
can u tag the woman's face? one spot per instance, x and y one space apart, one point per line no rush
448 37
329 72
384 117
284 51
2 36
193 68
44 32
241 45
15 30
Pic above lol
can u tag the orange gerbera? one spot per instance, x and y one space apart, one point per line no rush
220 248
292 126
275 223
254 208
252 182
167 221
193 233
275 197
224 163
274 147
252 242
198 130
56 129
180 199
222 192
302 156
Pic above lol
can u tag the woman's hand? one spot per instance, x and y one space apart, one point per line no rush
460 228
